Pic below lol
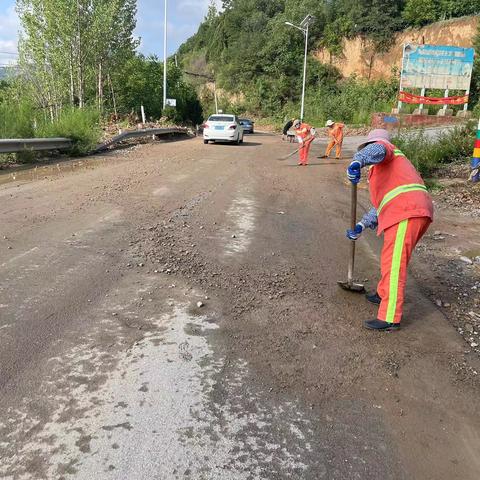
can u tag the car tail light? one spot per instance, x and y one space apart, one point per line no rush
205 125
232 127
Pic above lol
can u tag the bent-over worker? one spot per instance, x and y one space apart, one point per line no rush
286 128
305 136
403 211
335 132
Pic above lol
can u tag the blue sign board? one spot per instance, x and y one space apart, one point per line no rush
437 66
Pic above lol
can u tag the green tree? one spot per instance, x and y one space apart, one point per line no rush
458 8
377 20
141 83
66 47
475 85
421 12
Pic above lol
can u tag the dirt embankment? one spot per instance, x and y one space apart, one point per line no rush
359 58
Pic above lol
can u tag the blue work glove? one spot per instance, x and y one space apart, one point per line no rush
356 232
354 172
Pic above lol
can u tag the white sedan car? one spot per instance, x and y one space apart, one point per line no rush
222 128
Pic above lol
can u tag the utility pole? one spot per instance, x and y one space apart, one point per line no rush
302 110
165 59
215 93
303 27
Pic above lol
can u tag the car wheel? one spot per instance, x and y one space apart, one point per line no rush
205 142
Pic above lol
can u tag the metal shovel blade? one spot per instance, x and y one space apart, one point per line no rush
352 287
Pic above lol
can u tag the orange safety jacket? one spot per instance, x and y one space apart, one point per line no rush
304 131
397 190
336 132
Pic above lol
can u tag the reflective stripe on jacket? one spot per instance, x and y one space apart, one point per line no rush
397 190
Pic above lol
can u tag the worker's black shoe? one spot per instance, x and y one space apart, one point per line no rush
381 325
373 298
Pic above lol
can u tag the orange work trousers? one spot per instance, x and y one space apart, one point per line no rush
303 152
398 244
338 151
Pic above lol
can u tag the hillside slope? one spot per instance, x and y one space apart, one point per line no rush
256 58
359 59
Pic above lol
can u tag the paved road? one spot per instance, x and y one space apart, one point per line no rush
110 368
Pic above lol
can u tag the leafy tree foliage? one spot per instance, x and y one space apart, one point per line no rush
475 86
142 84
69 48
79 53
250 51
422 12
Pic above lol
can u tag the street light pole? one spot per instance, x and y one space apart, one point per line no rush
165 59
304 27
304 74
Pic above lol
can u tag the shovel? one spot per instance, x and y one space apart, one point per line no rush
290 154
350 284
297 150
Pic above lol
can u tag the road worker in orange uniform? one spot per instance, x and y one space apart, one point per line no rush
403 211
335 132
305 136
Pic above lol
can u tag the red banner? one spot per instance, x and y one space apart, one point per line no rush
406 97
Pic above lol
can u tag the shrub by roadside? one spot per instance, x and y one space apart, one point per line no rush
81 125
16 120
430 154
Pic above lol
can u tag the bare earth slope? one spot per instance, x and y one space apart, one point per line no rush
110 368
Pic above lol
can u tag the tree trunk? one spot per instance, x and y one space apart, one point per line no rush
114 101
80 59
72 82
100 86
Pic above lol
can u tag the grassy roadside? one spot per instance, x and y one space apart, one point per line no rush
22 121
429 155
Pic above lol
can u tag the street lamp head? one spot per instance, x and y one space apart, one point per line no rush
295 26
308 20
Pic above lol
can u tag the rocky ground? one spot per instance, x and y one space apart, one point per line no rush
173 312
451 251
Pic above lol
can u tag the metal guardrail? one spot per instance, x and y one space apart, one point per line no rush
147 132
15 145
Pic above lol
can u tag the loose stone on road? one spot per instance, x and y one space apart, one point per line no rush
173 313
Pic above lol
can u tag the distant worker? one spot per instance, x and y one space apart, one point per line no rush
403 211
335 132
286 129
305 136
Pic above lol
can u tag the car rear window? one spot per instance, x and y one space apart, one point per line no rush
221 118
246 120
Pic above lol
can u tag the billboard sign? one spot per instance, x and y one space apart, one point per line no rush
437 66
171 102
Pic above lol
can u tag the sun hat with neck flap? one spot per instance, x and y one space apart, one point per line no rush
375 136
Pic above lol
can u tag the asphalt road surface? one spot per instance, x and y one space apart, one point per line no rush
172 312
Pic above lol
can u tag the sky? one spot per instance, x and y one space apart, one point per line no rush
184 17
